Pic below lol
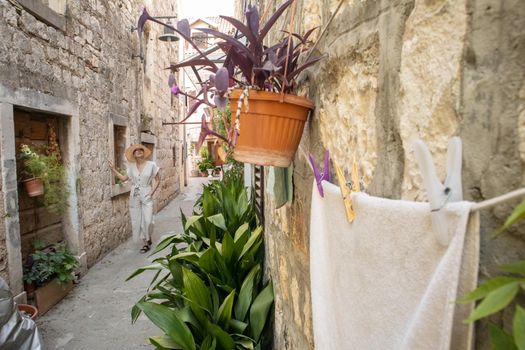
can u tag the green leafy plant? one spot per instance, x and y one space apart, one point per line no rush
210 293
51 171
205 164
47 263
498 293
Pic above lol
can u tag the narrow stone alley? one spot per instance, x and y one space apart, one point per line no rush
96 314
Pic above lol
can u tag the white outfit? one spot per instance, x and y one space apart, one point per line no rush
140 203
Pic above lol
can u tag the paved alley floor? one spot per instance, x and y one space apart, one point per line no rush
96 313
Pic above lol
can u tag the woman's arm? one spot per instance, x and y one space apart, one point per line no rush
117 174
156 183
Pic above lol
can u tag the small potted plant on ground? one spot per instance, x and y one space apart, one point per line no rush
45 175
204 165
50 270
274 118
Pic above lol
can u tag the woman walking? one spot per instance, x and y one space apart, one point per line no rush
145 180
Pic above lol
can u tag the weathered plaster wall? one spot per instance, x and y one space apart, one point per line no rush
396 71
91 65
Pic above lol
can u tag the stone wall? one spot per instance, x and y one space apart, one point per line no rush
396 71
90 65
4 273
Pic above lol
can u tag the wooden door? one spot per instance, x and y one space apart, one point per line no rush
36 221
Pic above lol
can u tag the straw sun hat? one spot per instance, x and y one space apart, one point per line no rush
133 148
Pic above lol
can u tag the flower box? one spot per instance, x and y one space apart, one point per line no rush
50 294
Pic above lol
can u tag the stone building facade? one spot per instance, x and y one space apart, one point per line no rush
396 71
75 62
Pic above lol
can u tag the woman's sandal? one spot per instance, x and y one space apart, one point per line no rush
144 249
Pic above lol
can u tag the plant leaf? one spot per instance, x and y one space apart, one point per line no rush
305 65
164 342
224 339
251 241
517 267
517 214
236 43
222 80
500 340
154 267
225 310
241 28
192 63
164 318
192 220
184 27
173 239
135 312
217 220
273 19
259 311
518 327
209 343
246 294
237 325
196 290
241 231
495 301
486 288
228 248
252 19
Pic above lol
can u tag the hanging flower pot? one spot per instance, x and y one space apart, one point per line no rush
34 187
271 129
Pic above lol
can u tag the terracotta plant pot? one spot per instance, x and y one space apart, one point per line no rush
34 187
271 130
28 309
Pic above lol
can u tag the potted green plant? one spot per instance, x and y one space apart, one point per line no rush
49 174
33 169
273 123
51 271
204 165
210 293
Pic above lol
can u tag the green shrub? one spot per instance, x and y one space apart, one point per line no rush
45 264
210 293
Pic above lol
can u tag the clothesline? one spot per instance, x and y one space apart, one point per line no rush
476 206
497 200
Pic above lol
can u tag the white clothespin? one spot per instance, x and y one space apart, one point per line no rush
439 194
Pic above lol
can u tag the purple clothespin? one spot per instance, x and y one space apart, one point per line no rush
325 175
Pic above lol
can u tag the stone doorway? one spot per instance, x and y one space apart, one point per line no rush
37 222
37 109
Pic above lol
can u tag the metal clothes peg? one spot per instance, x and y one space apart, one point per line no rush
325 175
439 194
346 190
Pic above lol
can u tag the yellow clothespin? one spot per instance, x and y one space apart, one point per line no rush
346 191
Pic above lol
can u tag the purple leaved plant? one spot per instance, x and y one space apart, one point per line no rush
249 63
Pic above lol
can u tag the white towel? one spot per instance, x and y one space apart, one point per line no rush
383 281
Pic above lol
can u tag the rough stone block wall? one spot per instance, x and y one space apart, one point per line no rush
91 65
396 71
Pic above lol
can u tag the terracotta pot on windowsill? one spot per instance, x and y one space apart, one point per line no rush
272 127
34 187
